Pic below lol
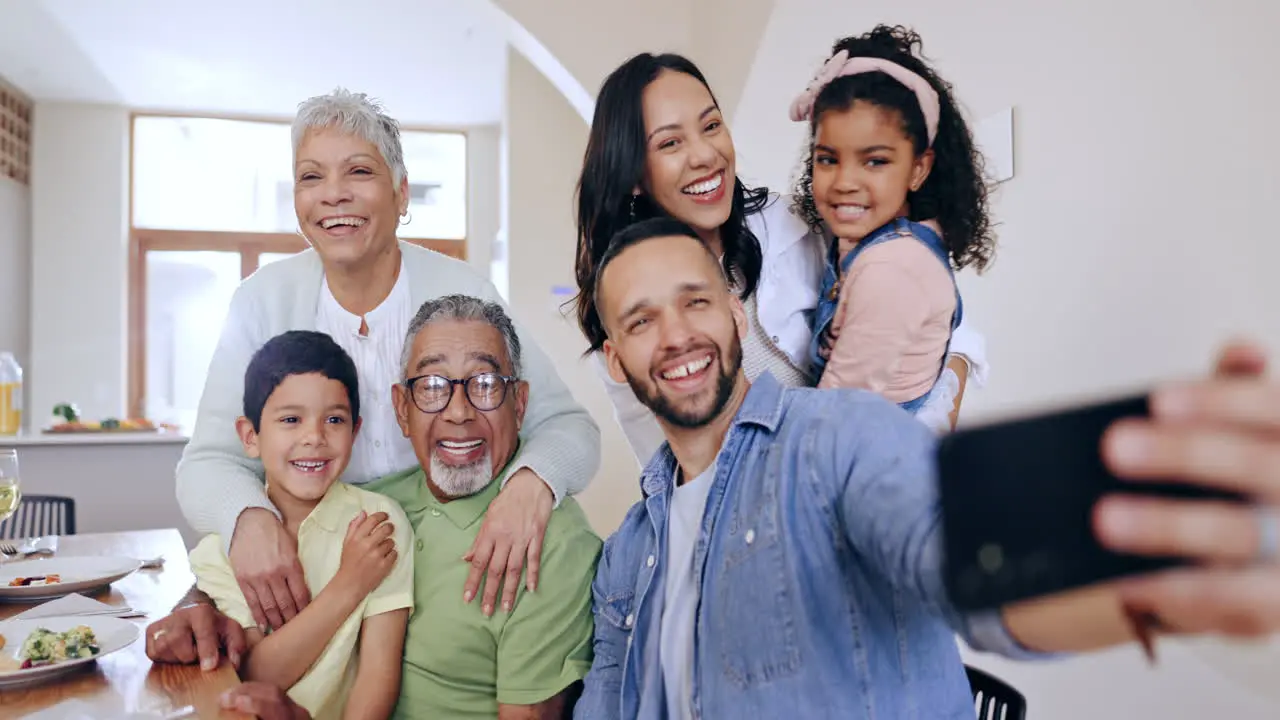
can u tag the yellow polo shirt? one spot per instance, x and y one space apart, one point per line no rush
323 690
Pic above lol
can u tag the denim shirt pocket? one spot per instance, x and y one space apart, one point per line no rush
755 625
617 610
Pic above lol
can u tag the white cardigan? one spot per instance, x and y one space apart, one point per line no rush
216 481
786 296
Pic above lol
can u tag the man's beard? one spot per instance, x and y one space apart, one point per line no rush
652 398
458 481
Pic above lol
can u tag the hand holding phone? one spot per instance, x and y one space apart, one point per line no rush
1017 504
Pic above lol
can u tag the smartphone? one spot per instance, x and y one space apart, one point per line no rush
1017 506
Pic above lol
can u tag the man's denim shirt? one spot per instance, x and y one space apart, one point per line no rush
820 555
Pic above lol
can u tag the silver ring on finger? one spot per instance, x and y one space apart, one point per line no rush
1268 535
155 636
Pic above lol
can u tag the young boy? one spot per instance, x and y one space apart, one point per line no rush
301 415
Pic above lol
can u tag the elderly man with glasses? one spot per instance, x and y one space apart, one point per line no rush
461 405
461 402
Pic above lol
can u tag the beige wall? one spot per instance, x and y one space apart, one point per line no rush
79 220
723 43
1130 244
484 183
591 37
545 142
15 269
719 35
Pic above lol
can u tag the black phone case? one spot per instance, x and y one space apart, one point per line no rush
1017 502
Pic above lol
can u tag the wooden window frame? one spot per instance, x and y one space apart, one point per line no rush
250 246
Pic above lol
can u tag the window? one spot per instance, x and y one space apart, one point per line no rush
212 201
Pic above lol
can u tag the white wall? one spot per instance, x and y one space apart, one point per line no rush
15 271
79 221
1130 238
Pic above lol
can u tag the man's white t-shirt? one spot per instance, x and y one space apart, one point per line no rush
681 593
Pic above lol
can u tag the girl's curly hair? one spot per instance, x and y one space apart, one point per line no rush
955 193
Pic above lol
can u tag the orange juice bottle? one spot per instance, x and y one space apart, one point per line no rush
10 394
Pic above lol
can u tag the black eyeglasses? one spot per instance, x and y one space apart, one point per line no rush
432 393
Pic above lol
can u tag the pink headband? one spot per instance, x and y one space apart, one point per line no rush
840 65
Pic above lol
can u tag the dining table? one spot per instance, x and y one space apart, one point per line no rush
126 683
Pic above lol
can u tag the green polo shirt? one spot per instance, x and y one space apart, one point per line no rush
457 662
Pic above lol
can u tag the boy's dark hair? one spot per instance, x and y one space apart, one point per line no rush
955 193
296 352
651 229
614 166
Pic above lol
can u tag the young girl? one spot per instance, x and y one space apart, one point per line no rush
895 182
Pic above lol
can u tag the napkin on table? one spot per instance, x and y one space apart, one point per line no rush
73 604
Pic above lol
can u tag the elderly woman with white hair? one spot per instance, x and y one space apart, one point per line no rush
360 284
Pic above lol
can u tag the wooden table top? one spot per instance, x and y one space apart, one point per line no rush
126 681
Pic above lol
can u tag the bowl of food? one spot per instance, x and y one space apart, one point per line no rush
36 651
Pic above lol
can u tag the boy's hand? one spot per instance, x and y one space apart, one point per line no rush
368 552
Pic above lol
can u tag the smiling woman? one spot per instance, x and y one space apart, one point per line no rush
193 242
361 285
660 146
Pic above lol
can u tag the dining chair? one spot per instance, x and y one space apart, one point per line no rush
39 515
993 698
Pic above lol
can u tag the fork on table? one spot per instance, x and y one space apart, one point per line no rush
8 549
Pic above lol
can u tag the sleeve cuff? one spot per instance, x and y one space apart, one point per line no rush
380 605
971 346
573 672
986 632
557 494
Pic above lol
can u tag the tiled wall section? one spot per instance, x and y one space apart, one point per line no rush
15 134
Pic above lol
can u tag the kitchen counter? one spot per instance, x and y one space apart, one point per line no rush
113 438
119 481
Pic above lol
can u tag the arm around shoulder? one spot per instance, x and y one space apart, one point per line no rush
215 480
216 580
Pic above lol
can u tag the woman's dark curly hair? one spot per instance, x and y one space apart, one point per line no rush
614 165
955 193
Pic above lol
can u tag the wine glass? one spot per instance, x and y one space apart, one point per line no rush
10 494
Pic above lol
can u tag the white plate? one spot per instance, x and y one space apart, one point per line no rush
84 575
112 633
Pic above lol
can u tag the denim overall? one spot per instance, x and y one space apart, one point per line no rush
829 297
